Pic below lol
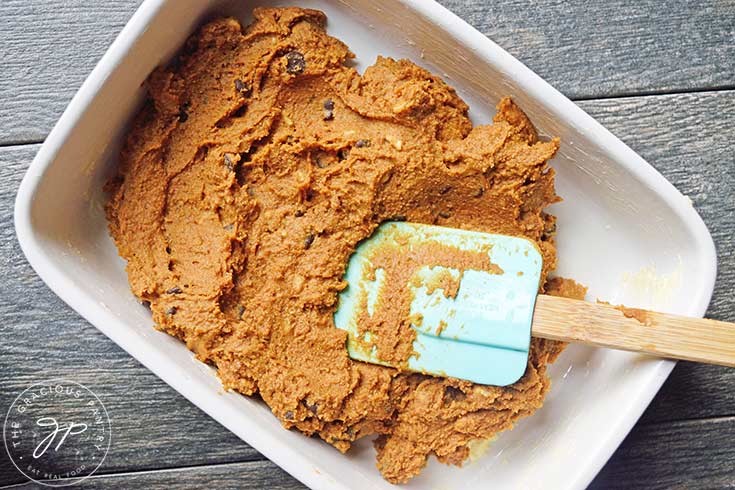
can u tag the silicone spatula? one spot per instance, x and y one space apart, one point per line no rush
474 305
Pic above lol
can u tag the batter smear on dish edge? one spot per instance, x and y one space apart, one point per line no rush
258 162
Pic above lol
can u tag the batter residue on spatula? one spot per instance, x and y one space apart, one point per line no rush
388 322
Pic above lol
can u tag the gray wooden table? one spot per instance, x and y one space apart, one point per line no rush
660 75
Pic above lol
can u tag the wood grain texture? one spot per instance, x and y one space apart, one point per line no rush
693 391
683 455
47 49
585 49
252 475
593 49
632 329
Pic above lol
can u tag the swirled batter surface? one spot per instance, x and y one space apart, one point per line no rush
258 162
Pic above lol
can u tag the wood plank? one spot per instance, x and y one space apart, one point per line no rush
256 475
688 455
694 455
586 49
48 48
685 136
694 391
604 48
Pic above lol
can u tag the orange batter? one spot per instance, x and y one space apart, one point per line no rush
258 162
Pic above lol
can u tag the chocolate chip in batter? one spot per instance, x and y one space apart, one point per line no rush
362 143
242 88
183 112
451 393
328 108
288 415
295 63
174 290
229 162
320 159
239 112
549 230
342 154
308 240
312 407
171 311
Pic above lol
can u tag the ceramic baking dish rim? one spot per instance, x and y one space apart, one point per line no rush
556 103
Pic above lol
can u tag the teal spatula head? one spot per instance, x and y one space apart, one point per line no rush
468 296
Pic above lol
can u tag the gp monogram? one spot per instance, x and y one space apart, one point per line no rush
57 432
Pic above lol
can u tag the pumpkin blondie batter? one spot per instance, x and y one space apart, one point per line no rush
258 162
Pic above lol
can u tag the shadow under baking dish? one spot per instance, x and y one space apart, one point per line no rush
623 230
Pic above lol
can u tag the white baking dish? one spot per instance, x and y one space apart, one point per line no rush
623 230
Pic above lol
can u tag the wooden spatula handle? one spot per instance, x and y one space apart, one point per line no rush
659 334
